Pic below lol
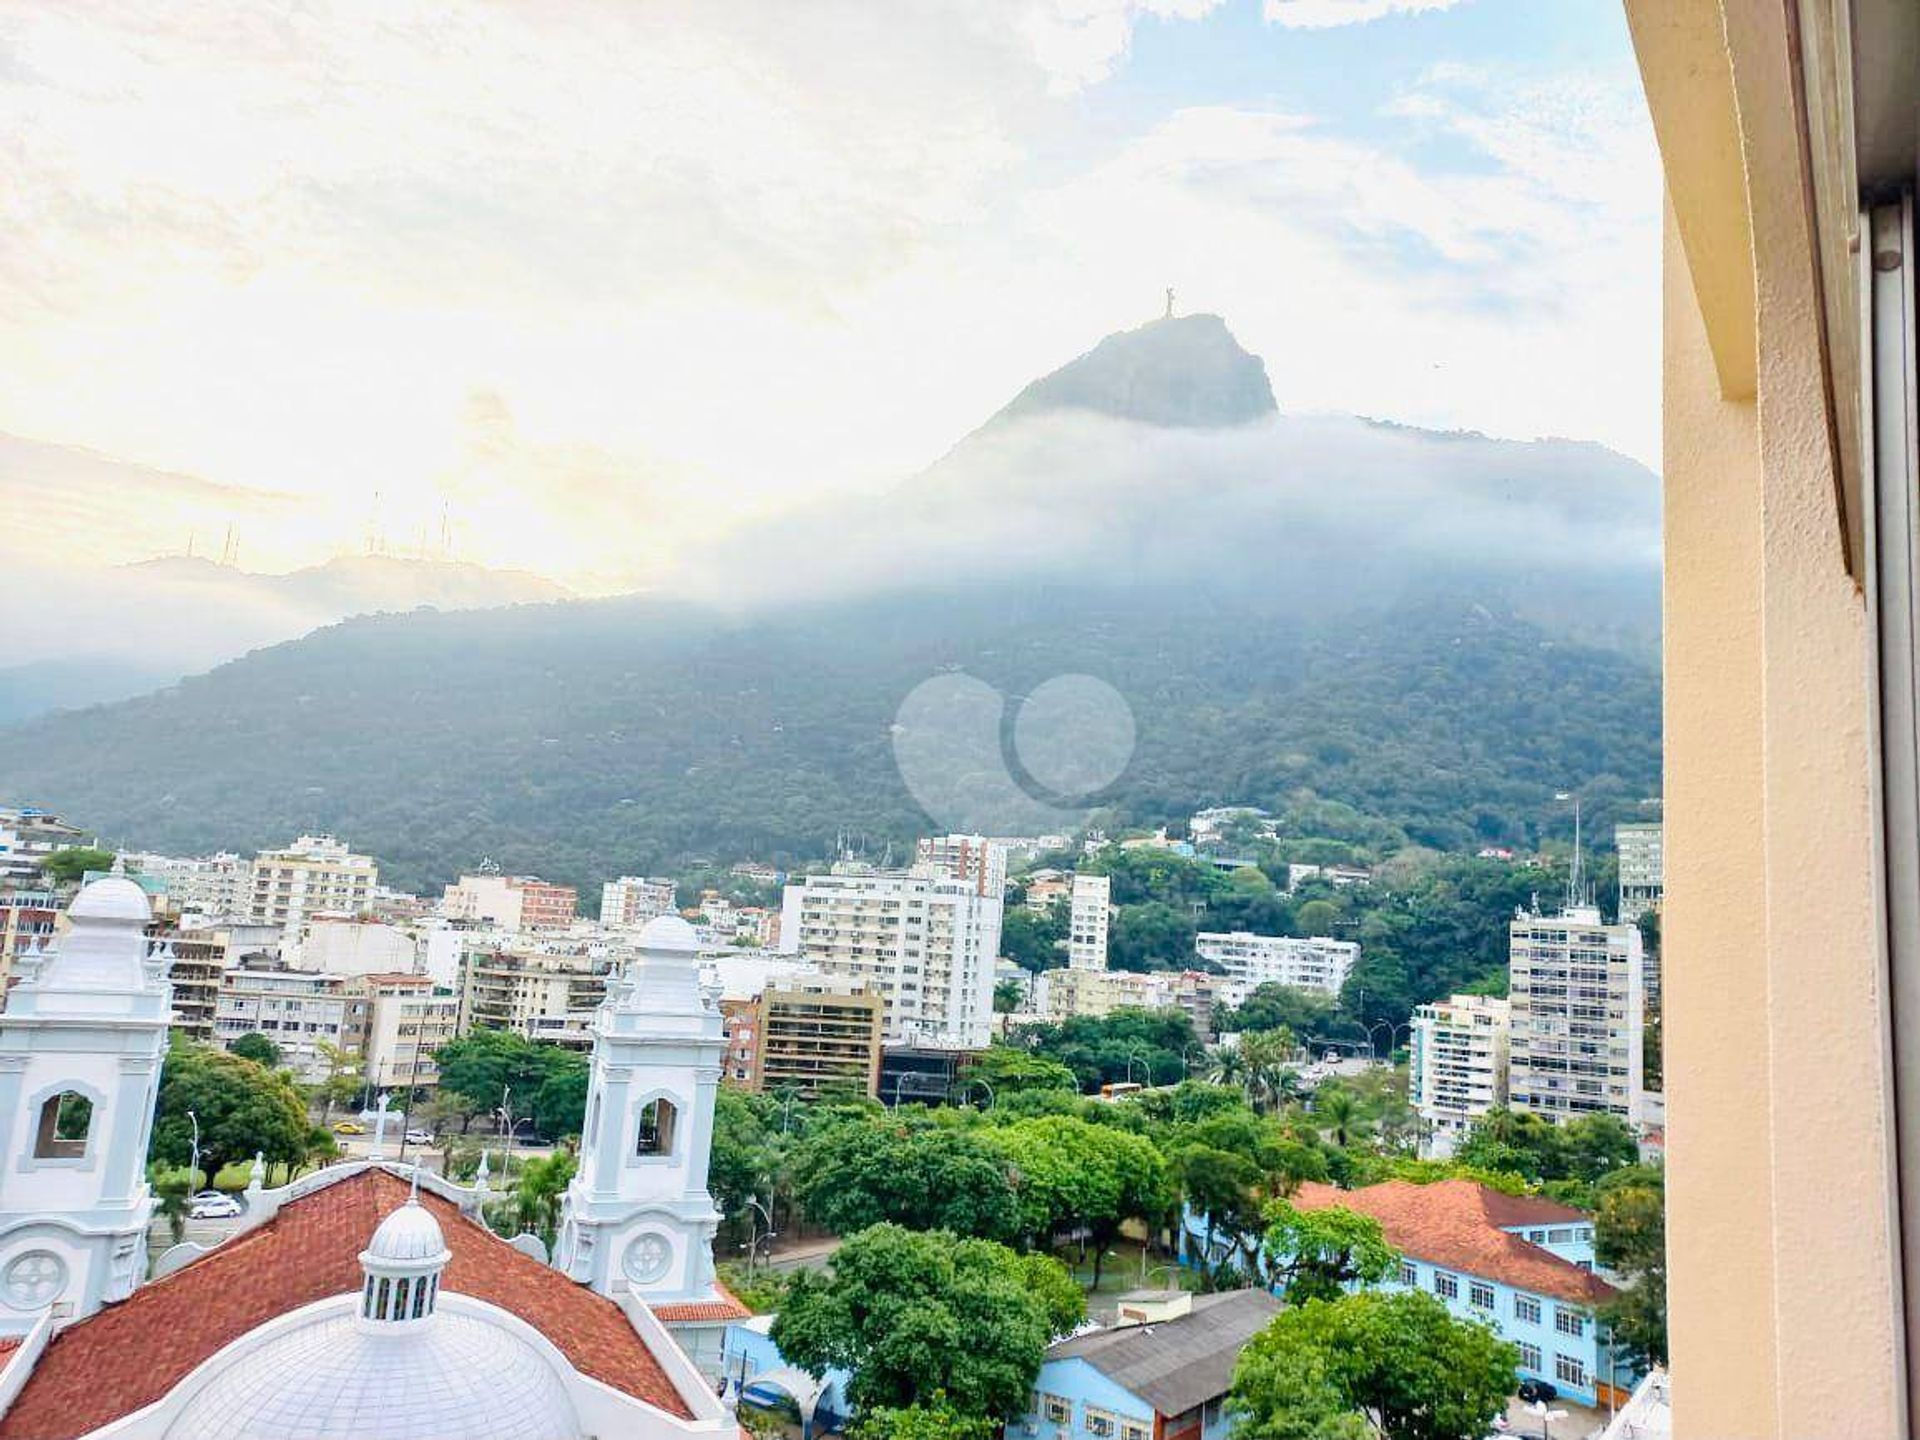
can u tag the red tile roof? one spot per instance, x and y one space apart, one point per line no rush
727 1307
129 1355
1457 1224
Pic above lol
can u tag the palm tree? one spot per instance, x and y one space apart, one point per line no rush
1226 1065
543 1183
1336 1110
1265 1055
173 1190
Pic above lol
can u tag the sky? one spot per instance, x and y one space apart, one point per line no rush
592 279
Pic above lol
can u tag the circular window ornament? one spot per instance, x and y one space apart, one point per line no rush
34 1280
648 1258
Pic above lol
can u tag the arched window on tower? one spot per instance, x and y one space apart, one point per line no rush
657 1119
64 1122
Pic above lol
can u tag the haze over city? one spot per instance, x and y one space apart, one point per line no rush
349 277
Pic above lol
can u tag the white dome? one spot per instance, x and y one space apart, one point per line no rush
409 1235
113 898
338 1379
669 932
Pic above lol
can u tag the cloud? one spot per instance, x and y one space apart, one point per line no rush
1320 14
606 281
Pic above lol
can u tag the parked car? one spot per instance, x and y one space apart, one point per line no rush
348 1127
213 1205
419 1137
1538 1392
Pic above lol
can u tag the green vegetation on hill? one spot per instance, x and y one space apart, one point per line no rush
579 741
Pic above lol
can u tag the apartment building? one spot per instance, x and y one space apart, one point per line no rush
215 887
1576 1015
1095 994
814 1034
632 900
316 874
540 991
1458 1068
1045 887
1089 912
1338 876
341 946
922 941
979 861
1249 960
513 902
28 919
1641 850
29 835
298 1010
407 1021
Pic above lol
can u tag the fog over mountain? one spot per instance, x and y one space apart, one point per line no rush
1160 458
1383 631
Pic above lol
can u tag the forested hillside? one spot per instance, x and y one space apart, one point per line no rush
587 739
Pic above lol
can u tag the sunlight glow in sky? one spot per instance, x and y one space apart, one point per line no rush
599 276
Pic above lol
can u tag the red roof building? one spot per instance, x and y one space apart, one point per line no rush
129 1357
1470 1228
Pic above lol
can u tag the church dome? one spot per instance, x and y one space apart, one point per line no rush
112 898
336 1378
669 932
408 1236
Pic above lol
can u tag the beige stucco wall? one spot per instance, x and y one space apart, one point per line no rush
1784 1311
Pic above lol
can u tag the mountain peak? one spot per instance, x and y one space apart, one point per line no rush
1182 370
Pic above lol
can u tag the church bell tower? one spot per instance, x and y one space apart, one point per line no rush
82 1038
637 1219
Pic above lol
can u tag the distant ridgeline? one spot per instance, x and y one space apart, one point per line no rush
1378 633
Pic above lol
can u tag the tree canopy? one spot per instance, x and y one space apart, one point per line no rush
921 1318
242 1108
1398 1360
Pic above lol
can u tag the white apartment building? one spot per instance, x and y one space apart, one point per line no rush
1250 960
632 900
1089 912
354 947
316 874
296 1009
513 902
976 859
1458 1070
537 990
216 887
1338 876
29 835
1578 1003
407 1022
924 942
1642 868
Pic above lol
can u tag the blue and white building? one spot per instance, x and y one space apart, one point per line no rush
1161 1373
1520 1263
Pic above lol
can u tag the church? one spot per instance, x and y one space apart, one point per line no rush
364 1301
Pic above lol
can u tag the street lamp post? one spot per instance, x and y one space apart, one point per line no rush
756 1212
983 1083
1133 1060
193 1165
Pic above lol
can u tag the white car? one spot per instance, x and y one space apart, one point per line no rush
419 1137
214 1205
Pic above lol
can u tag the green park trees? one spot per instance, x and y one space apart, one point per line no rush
1630 1239
859 1174
257 1048
922 1318
486 1069
241 1107
1398 1361
1316 1254
1070 1174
